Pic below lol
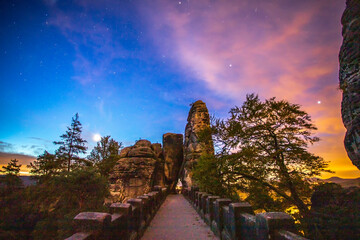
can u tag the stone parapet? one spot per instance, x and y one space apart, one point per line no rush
126 221
236 220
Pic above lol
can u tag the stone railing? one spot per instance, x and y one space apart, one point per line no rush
236 220
124 220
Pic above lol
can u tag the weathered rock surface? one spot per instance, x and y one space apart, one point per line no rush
173 157
198 120
135 171
349 77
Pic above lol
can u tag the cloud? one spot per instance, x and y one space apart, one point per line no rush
287 49
4 146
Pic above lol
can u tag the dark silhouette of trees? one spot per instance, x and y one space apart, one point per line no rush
11 179
105 154
45 166
71 146
335 212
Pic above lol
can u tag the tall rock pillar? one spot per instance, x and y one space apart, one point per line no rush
349 77
198 120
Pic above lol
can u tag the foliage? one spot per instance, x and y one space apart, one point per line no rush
71 145
262 147
335 212
11 180
45 166
46 210
105 155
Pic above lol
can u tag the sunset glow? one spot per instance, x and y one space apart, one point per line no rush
131 68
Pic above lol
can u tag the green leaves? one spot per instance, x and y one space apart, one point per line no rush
105 155
71 146
264 143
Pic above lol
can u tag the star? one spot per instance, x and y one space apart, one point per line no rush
319 102
230 65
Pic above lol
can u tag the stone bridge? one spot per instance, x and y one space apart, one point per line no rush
144 203
190 215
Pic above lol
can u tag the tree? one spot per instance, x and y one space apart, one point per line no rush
266 144
105 155
11 179
45 165
71 145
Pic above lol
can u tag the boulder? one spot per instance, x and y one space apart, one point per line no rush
135 171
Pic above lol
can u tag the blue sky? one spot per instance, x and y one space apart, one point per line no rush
131 68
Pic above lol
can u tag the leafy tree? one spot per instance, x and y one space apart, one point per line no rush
105 154
266 144
71 145
11 179
45 166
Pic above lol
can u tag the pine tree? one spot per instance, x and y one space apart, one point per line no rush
71 146
12 171
45 165
105 154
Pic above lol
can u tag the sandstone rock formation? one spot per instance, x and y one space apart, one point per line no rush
135 172
198 120
349 76
173 158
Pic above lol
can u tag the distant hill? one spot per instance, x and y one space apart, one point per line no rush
345 183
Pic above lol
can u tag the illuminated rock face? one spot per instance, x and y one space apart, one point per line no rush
198 120
135 172
145 165
349 77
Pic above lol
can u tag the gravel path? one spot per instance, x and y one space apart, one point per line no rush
177 220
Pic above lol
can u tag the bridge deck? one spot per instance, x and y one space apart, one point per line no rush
177 220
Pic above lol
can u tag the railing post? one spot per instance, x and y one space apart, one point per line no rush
210 215
267 224
217 223
137 223
94 224
120 220
232 220
203 205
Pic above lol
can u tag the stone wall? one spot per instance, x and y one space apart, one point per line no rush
126 221
236 220
349 76
198 120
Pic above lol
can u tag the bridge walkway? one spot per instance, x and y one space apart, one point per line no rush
177 220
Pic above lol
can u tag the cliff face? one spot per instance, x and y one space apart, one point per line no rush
198 120
349 75
134 173
145 165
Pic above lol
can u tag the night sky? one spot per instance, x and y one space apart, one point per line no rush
131 68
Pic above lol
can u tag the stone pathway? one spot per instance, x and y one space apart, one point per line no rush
177 220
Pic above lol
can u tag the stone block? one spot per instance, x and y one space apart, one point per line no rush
92 221
210 215
217 223
270 222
